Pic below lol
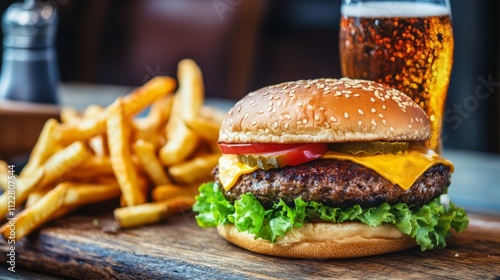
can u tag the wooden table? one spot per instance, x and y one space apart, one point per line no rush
89 247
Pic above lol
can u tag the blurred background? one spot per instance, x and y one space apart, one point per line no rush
242 45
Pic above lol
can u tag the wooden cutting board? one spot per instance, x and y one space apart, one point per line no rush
90 247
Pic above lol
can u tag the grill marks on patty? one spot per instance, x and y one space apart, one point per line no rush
337 183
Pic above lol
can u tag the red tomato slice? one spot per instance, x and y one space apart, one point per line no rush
286 154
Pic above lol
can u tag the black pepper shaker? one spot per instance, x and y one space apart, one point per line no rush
29 63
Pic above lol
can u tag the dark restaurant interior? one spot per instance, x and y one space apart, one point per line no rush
259 43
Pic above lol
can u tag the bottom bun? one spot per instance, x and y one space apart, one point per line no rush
324 240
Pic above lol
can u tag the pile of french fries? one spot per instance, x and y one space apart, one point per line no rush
153 163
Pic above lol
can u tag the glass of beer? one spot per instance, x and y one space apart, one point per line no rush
404 44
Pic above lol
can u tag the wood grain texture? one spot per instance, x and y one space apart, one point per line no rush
75 247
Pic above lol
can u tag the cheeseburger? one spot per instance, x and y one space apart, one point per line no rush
328 168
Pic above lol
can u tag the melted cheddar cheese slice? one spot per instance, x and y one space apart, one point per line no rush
402 169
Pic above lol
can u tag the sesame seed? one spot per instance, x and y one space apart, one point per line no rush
346 115
333 119
239 109
391 128
381 116
260 111
252 102
286 125
361 112
360 123
245 116
373 122
299 122
316 118
304 121
409 126
337 94
373 110
275 124
321 108
383 107
254 123
384 121
372 99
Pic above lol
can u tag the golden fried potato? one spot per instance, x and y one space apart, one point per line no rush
118 130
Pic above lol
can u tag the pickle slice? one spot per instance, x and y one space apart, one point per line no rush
370 148
263 162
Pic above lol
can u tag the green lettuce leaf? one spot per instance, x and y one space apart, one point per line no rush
430 225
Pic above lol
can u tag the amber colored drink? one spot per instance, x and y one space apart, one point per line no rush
406 45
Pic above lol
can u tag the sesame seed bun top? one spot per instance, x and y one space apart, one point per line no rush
324 111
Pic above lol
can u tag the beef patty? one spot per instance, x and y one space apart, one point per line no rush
337 183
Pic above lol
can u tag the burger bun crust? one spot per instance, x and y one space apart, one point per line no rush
324 111
323 240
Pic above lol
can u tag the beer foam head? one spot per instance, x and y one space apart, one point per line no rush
386 9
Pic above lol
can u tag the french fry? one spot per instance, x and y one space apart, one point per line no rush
4 167
37 214
61 163
53 169
97 143
145 129
195 170
45 146
24 186
179 147
35 196
205 128
145 151
121 160
4 175
212 113
132 104
70 115
92 111
169 191
92 167
161 110
181 141
151 127
191 88
152 212
65 195
79 194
